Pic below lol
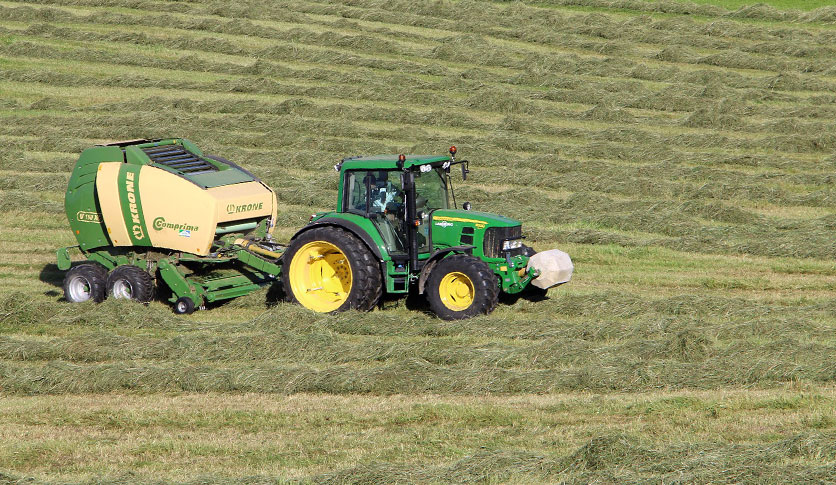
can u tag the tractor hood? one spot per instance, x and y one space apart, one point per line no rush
483 230
479 220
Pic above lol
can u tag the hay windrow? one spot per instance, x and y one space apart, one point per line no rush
681 153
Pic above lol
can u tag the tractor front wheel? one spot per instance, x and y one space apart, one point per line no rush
462 286
130 282
328 269
86 281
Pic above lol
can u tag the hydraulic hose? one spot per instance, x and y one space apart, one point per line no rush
251 246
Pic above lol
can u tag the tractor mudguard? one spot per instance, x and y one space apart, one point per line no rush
347 225
435 258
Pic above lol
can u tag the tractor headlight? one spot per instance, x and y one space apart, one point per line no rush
513 244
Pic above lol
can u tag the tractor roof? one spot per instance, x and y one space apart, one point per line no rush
389 162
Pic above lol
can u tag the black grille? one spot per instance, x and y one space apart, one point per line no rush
178 158
493 239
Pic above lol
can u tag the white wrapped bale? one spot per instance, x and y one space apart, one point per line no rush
555 268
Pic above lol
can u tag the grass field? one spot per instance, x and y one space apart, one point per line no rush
682 153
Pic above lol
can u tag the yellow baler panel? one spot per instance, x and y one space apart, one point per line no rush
246 200
108 195
179 215
176 213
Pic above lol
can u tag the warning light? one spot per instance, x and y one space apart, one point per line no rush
453 150
401 157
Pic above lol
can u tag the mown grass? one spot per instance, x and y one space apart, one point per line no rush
681 153
729 435
784 4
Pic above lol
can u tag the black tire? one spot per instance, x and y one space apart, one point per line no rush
365 283
183 306
484 287
130 282
87 281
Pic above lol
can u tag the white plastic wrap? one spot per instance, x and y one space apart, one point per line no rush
555 268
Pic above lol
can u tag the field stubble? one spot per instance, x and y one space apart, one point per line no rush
683 154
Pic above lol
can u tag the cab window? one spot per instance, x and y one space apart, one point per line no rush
430 190
385 189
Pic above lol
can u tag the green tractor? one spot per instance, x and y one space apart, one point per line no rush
155 214
397 228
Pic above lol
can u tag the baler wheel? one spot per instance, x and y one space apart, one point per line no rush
328 269
86 281
130 282
184 306
462 286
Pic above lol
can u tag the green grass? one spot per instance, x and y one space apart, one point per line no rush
681 153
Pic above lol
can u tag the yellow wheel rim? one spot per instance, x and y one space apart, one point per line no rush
456 291
320 276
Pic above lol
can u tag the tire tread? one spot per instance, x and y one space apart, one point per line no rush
486 287
96 275
141 281
366 277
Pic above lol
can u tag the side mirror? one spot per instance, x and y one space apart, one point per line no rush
464 171
466 206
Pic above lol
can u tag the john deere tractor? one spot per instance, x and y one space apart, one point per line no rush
160 215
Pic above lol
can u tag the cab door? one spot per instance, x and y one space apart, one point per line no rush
378 195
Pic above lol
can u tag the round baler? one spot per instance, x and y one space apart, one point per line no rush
145 207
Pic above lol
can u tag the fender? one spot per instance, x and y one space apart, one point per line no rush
435 258
347 225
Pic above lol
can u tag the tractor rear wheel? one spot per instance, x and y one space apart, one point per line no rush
462 286
130 282
328 269
87 281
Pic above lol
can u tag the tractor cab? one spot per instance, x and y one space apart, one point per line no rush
398 195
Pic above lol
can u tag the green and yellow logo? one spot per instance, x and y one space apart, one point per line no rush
479 224
234 208
160 223
86 216
136 229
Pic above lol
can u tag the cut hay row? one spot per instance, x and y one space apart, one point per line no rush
682 154
697 436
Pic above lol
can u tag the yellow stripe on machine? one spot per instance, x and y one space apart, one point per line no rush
107 188
479 224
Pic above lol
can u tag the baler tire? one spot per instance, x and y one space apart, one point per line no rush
183 306
366 285
468 273
91 274
129 281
